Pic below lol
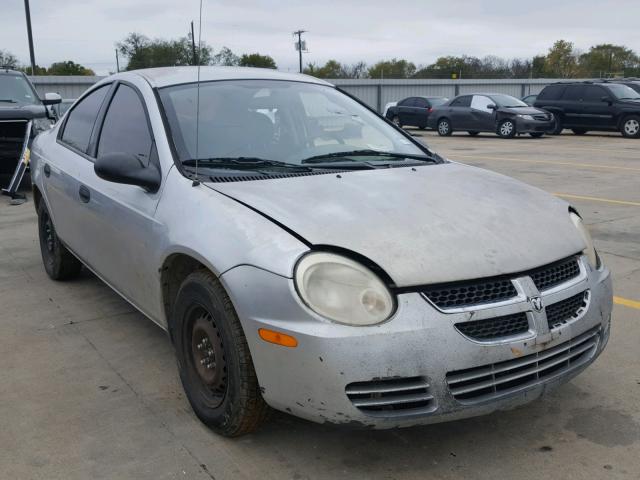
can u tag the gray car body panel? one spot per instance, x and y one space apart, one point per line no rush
430 224
425 225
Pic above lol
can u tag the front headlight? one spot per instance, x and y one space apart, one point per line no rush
590 251
526 117
342 290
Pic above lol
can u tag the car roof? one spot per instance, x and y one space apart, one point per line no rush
167 76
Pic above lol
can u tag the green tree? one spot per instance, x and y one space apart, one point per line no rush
331 69
257 60
392 69
608 59
68 68
142 52
226 58
561 60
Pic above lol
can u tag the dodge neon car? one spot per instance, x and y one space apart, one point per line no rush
306 255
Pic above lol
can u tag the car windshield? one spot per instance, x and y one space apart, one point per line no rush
16 89
623 91
507 101
283 121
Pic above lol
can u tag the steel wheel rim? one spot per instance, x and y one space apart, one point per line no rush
506 128
631 127
207 356
443 127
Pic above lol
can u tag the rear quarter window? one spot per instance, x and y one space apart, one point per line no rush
552 92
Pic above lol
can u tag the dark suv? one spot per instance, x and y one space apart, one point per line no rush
584 106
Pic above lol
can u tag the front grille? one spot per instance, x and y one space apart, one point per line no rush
391 397
464 294
491 381
541 116
11 141
494 328
555 273
563 311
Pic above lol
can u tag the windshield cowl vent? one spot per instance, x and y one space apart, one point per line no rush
243 177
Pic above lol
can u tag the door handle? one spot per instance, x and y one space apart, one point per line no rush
47 170
85 194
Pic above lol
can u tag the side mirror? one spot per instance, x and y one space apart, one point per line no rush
128 169
492 106
606 99
51 99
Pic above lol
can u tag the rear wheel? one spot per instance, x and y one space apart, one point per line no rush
536 134
396 121
473 134
631 126
557 127
214 361
59 263
579 131
507 128
444 127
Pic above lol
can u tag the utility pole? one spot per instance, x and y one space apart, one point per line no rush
117 62
27 13
193 45
299 46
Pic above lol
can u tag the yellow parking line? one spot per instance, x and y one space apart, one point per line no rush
549 162
626 302
597 199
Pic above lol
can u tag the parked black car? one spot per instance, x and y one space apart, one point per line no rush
414 111
599 106
19 104
490 112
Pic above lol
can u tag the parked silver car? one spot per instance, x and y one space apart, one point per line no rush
306 255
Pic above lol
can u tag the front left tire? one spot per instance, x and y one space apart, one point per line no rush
59 262
507 128
444 127
631 126
213 356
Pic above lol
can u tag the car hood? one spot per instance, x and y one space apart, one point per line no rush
523 110
422 225
11 111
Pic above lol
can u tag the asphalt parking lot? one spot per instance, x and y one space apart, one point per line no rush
89 389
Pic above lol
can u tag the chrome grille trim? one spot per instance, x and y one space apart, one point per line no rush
496 380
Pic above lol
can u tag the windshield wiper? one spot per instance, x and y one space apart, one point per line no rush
341 156
7 100
239 162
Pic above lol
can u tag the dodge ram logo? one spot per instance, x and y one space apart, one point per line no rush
536 303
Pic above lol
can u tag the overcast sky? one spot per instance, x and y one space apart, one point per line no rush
85 31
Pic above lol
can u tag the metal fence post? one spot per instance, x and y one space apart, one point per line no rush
379 96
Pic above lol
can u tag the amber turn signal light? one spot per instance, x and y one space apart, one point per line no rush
277 338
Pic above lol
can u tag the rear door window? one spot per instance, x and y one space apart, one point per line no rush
593 93
80 121
407 102
125 128
421 103
573 92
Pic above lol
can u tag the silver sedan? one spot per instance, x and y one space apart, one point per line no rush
306 255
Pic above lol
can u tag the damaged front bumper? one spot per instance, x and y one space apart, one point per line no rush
416 368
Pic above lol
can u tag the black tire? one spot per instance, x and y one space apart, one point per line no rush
444 127
630 126
507 128
536 134
59 263
557 127
579 131
396 121
227 398
473 134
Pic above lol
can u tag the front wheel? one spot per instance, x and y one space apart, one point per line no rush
557 127
507 128
396 121
444 127
59 263
214 361
631 126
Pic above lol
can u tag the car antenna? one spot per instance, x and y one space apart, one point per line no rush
196 181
